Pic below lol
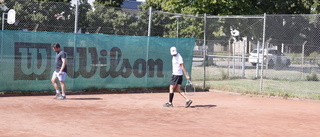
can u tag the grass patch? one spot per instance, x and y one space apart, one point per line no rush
285 89
285 83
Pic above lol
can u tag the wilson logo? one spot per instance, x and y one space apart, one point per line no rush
33 62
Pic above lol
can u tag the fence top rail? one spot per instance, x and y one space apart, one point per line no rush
179 14
213 16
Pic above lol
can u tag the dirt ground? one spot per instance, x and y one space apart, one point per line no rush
142 115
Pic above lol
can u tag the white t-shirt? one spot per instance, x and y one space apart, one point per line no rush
176 68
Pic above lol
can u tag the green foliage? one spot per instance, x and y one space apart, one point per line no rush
188 27
239 7
281 94
84 9
165 24
218 29
114 20
158 22
286 7
313 76
314 54
234 7
315 8
33 13
155 4
315 57
295 58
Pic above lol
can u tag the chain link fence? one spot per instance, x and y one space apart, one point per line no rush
294 39
39 16
296 36
68 17
270 49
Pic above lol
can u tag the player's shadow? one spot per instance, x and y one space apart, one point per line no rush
203 106
84 98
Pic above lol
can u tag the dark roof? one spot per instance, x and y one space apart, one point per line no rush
130 4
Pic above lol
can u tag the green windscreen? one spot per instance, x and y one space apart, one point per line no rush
93 60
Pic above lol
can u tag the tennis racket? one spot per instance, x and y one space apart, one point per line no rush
189 90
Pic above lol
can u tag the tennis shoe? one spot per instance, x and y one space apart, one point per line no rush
168 104
62 98
57 96
188 103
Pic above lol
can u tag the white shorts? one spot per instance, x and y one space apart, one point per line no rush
60 77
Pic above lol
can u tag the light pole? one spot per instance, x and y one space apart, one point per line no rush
177 17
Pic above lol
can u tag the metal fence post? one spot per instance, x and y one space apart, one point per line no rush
148 42
302 59
263 46
76 17
2 20
204 50
243 58
150 21
258 60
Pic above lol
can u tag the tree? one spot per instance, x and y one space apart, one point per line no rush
159 20
84 8
41 16
109 20
193 26
315 8
164 24
285 7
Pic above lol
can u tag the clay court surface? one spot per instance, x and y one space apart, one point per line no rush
142 115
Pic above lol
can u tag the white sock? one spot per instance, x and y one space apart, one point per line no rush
58 91
63 94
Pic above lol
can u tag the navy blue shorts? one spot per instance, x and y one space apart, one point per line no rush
176 80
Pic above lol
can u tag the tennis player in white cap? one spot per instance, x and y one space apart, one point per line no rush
177 75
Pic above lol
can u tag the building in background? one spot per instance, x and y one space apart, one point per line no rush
131 4
128 4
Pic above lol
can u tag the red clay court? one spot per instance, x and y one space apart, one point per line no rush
142 115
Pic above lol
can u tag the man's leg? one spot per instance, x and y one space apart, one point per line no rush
56 87
54 83
188 101
63 85
171 94
180 92
63 88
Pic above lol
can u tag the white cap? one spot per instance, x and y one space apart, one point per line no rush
173 51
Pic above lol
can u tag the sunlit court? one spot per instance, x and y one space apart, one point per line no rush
212 113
